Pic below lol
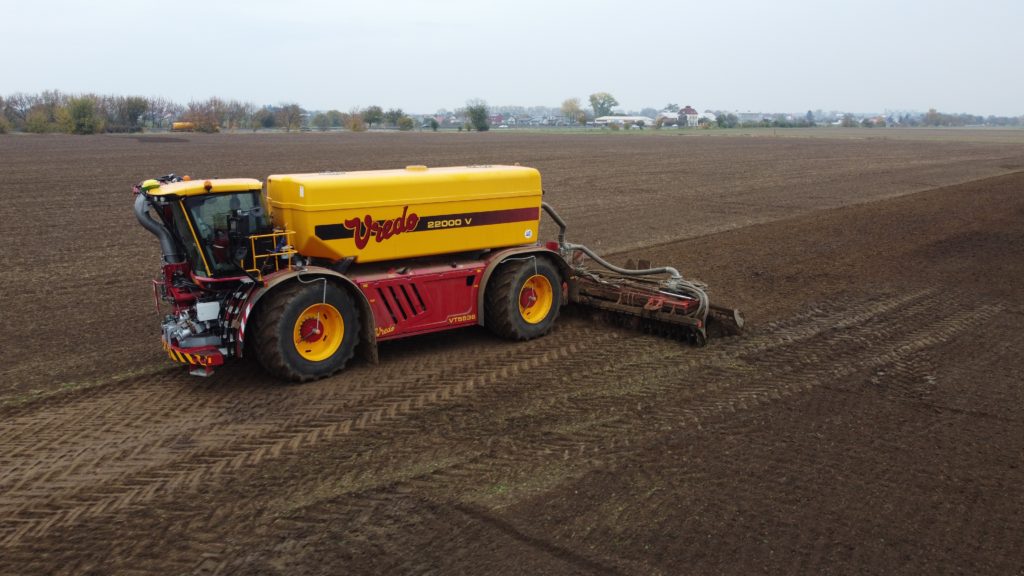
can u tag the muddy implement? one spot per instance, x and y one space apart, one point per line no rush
658 300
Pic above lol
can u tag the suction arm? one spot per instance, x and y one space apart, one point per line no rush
558 220
167 248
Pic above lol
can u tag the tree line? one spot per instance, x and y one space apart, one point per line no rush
54 111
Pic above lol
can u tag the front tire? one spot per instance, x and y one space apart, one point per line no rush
307 331
523 299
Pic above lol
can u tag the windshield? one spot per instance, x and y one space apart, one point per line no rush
223 222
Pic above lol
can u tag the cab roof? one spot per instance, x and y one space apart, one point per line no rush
197 187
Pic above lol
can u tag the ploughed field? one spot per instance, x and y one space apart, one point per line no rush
871 419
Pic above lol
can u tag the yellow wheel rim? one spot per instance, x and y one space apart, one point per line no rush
318 332
535 299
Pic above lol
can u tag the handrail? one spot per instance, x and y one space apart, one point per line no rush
287 251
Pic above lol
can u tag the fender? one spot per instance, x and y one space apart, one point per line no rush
504 255
368 340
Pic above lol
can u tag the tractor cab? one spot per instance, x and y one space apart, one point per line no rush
221 225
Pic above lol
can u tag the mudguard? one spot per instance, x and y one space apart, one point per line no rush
368 341
504 255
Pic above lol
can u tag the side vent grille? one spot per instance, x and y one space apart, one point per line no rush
402 302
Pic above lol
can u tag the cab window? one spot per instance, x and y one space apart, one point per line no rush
210 217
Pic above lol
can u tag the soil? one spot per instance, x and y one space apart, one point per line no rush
869 420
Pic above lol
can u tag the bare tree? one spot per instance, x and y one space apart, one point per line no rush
204 115
355 121
159 111
125 113
16 109
5 124
289 116
238 114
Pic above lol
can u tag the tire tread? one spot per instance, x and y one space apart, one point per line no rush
269 345
501 303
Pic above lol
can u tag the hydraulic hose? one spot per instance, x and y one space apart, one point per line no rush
567 247
675 282
672 272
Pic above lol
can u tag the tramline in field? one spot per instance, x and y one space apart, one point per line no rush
321 266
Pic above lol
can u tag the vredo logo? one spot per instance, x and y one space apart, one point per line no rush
363 228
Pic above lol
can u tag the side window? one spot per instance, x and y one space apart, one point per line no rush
181 227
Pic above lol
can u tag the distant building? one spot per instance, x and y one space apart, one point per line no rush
691 115
668 118
620 120
753 116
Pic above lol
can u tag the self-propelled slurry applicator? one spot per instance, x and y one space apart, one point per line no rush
312 268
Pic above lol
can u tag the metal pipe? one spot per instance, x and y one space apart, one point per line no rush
565 246
675 275
558 220
167 248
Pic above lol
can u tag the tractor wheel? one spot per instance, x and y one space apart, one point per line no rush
307 331
523 298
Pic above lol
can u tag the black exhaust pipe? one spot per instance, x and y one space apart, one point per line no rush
167 248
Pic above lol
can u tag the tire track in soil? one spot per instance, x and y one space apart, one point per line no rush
111 448
845 333
643 397
811 350
905 383
600 444
600 365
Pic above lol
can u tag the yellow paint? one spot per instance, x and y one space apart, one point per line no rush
325 328
186 358
300 202
196 187
535 299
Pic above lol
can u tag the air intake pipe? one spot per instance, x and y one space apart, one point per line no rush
167 248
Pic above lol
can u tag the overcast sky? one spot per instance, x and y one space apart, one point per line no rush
742 55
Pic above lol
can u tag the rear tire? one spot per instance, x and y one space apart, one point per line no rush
304 333
523 299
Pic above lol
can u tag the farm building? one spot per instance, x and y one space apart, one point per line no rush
690 114
753 116
668 118
621 120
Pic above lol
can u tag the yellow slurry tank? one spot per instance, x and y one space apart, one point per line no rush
417 211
